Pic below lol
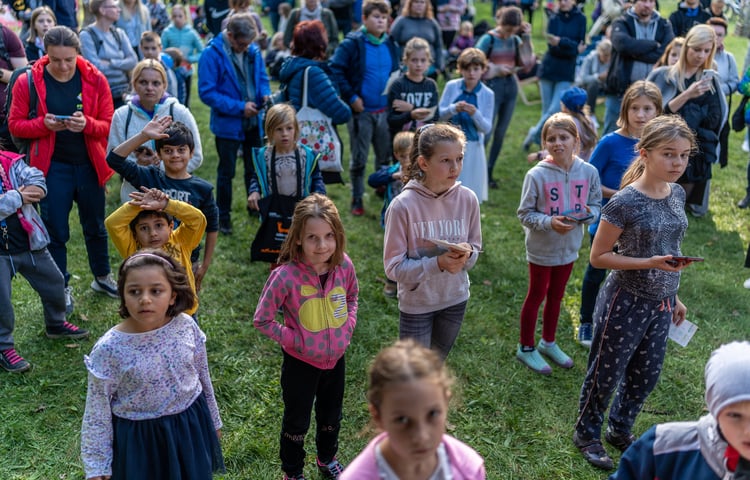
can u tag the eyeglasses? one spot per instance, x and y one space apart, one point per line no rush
111 6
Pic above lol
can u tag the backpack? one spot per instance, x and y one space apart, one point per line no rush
22 144
98 40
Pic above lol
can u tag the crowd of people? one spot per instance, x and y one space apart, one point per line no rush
113 96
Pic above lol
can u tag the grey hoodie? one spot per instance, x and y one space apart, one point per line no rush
415 216
548 190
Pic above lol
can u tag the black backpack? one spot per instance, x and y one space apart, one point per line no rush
22 144
98 40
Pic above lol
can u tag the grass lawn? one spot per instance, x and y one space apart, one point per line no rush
519 421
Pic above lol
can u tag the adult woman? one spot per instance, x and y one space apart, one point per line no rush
68 144
506 52
149 85
108 48
566 33
418 20
698 99
134 20
308 50
727 68
42 19
313 10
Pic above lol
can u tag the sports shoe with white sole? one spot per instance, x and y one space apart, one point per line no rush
106 285
533 360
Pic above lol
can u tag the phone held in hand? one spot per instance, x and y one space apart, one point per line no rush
577 215
62 118
678 259
709 74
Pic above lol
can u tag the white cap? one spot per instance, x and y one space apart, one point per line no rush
728 376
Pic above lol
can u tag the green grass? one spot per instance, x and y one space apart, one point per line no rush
520 422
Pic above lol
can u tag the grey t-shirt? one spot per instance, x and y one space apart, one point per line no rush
650 227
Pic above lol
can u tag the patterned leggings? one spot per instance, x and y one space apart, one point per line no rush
627 354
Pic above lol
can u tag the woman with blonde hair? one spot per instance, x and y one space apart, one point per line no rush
691 88
134 20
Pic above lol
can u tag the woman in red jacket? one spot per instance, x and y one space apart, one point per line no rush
68 141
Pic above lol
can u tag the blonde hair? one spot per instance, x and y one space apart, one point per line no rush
638 89
416 44
560 121
471 56
140 9
38 11
589 137
424 143
278 115
148 64
604 47
698 35
664 59
319 206
181 7
406 9
658 132
402 142
405 361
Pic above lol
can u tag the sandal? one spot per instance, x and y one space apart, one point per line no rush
620 441
594 453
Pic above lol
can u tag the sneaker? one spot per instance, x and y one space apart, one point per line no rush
492 183
747 283
357 208
300 476
68 330
69 302
745 202
620 441
13 362
533 360
331 469
745 145
390 289
594 453
554 353
106 285
585 332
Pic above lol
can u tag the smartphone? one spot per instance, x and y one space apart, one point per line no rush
709 74
578 215
62 118
677 259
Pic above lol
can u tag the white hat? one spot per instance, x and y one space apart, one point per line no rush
728 376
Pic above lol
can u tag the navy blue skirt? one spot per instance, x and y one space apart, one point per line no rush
174 447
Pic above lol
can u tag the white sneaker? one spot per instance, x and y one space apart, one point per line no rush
747 284
69 302
106 285
745 145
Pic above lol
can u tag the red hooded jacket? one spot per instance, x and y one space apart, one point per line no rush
97 108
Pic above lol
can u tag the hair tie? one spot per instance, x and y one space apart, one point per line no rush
149 255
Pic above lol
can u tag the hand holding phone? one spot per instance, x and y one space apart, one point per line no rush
680 259
62 118
709 74
577 215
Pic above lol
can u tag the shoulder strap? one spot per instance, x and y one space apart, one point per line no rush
304 88
127 121
95 37
32 94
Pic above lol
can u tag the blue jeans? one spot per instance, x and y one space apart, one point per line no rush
66 184
551 93
436 330
506 92
226 149
611 113
592 281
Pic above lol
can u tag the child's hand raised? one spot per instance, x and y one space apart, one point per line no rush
156 127
150 199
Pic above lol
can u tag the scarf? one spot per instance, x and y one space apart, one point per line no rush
7 186
372 38
305 14
463 119
737 464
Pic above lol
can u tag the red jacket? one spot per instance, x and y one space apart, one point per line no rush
97 108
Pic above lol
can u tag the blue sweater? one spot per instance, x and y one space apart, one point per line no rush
321 91
220 89
559 63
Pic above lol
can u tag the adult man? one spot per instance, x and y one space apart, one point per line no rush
12 56
232 81
688 13
639 38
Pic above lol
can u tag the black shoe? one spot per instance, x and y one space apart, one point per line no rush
594 453
68 330
745 202
12 362
225 227
492 184
620 441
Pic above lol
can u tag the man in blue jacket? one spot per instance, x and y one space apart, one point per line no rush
232 81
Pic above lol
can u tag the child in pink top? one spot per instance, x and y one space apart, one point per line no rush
316 287
408 399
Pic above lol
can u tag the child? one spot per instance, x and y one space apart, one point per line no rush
464 39
671 53
559 183
174 59
42 19
150 406
612 156
468 103
390 178
174 146
182 35
593 72
150 47
646 220
147 222
362 81
24 250
316 286
413 98
283 167
285 11
713 448
276 55
432 207
408 397
159 16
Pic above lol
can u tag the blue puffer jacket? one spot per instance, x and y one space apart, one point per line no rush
219 88
348 64
559 63
321 91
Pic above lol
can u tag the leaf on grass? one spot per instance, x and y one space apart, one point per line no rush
83 317
72 345
40 409
487 283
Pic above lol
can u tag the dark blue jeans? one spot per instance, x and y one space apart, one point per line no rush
506 91
592 281
79 183
227 152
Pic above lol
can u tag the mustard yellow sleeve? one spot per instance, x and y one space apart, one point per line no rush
192 223
118 227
